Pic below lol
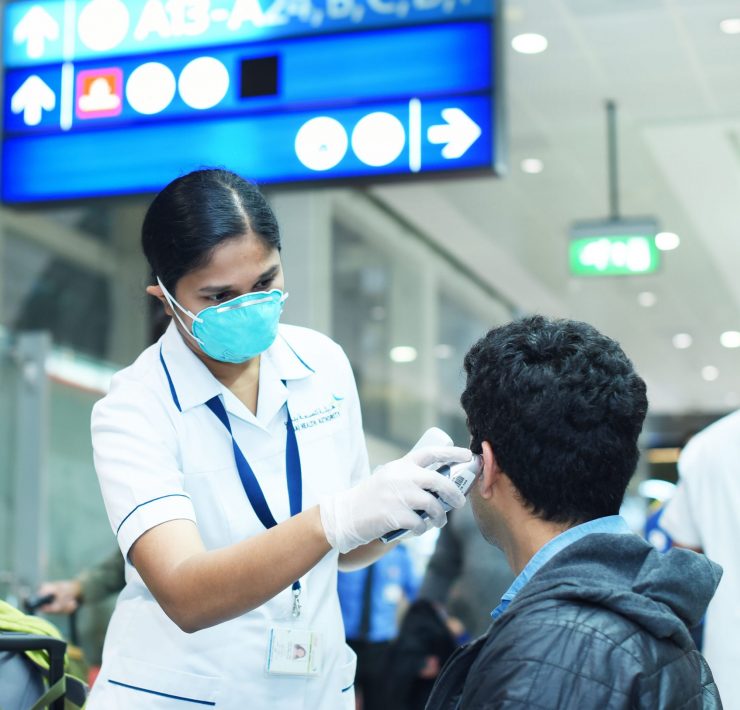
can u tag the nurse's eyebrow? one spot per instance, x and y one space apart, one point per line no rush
266 276
214 289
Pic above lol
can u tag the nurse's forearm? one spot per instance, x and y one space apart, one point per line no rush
198 588
364 555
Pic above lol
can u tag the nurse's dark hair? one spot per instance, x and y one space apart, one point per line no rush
196 213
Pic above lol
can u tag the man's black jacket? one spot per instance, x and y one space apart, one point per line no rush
602 625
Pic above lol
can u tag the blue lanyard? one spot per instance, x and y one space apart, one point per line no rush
251 485
249 481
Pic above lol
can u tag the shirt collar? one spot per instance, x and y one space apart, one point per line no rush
195 384
612 524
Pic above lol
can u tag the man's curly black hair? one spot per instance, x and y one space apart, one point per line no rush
562 407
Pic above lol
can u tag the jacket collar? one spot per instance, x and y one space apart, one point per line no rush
194 384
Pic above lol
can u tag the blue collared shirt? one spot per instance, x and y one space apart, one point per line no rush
611 524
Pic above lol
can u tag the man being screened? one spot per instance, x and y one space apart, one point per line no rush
596 617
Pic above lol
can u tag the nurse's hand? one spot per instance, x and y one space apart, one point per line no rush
388 500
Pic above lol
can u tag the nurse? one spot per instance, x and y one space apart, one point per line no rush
234 472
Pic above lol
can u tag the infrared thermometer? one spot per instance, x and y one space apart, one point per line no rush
463 475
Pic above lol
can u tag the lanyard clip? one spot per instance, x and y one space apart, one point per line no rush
296 602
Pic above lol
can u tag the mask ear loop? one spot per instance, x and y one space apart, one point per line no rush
174 305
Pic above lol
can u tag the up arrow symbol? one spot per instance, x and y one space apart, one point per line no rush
32 99
459 133
36 27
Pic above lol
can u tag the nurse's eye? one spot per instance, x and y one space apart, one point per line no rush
218 297
263 285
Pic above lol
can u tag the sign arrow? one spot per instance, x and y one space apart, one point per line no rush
33 98
459 133
36 27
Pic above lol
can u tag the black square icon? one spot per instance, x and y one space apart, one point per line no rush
259 76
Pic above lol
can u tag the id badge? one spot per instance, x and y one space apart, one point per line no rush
295 652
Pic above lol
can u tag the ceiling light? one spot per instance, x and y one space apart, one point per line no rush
403 353
681 341
647 299
730 339
533 166
710 373
730 26
667 241
529 43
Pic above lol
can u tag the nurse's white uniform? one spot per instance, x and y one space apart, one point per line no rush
157 463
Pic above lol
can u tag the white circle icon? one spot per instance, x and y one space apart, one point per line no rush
103 24
321 143
378 139
150 88
203 82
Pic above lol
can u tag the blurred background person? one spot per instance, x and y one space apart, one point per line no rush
372 600
92 585
704 515
463 572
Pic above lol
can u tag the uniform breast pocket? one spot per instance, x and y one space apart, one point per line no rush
133 684
326 466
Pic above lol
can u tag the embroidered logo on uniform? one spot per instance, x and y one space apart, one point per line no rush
320 415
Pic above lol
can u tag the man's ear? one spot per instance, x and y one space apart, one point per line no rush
156 291
491 473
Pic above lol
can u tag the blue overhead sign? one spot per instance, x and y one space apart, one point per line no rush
279 91
65 30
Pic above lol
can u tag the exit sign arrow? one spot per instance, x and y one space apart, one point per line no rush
33 98
35 28
459 133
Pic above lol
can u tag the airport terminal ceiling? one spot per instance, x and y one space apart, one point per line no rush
672 72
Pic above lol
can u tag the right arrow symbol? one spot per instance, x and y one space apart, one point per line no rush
33 98
459 133
36 27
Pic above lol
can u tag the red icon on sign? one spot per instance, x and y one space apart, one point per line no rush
99 93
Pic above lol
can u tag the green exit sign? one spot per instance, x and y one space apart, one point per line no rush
614 248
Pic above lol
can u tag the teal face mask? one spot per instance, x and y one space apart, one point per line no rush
236 330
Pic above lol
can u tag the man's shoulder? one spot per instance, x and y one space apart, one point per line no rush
581 649
535 627
561 633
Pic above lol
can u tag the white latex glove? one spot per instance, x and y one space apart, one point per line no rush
388 499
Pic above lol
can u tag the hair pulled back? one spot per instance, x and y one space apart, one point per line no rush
196 213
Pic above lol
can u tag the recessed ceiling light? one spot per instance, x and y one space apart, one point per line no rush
647 299
681 341
667 241
403 353
533 166
709 373
730 339
730 26
529 43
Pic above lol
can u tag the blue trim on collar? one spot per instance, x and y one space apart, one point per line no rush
173 391
300 359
